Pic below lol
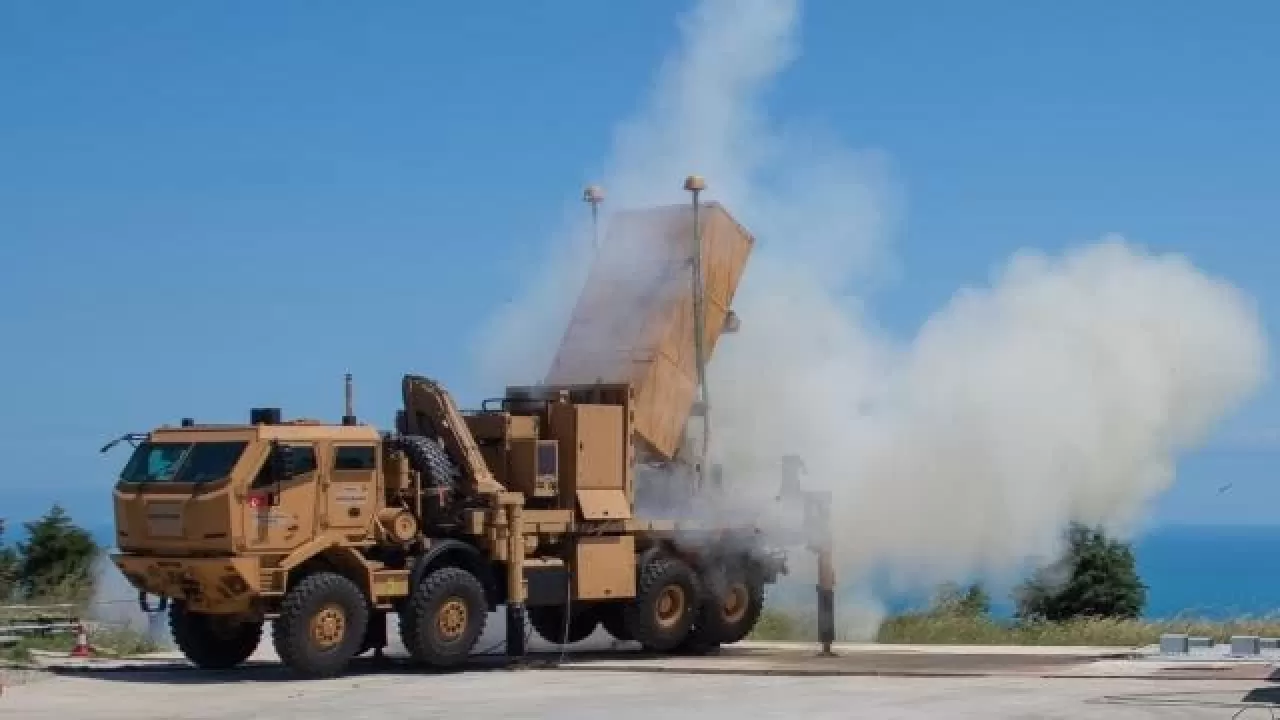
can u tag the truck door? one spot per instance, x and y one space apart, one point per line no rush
352 487
282 516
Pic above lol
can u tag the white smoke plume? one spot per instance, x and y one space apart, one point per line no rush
1064 391
115 604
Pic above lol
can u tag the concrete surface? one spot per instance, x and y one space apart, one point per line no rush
265 693
598 680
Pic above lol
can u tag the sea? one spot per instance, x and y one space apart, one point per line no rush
1211 572
1206 572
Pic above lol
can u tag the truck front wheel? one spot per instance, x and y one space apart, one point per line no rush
213 642
322 625
444 617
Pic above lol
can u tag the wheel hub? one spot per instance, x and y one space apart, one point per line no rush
451 620
734 605
328 626
670 606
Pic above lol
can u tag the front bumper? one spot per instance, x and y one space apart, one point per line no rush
227 584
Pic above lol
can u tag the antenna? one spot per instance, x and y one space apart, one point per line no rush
349 415
594 195
695 184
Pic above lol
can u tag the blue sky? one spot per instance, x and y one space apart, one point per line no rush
209 207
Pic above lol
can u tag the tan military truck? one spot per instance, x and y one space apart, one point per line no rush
529 503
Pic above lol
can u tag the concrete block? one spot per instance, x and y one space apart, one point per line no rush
1173 644
1200 643
1245 645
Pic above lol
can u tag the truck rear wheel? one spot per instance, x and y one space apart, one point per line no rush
322 625
444 617
212 642
666 603
548 621
734 602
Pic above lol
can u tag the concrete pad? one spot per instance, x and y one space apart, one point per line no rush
750 659
600 653
265 694
993 661
1079 651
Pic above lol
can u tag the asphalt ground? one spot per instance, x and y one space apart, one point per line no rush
746 681
266 692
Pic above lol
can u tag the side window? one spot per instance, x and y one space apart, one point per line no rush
304 461
353 458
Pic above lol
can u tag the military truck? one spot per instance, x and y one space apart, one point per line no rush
529 503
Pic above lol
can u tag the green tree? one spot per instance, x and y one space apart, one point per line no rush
8 568
1096 577
955 601
57 558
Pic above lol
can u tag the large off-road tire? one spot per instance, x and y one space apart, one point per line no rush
548 622
212 642
428 458
444 617
614 621
667 600
322 624
734 600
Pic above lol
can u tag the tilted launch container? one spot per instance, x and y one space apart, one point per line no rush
634 321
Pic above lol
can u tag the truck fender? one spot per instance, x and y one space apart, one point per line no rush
457 553
323 552
649 554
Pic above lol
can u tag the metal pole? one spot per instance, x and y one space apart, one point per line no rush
594 195
695 185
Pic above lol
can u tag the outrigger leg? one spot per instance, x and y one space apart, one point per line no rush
826 572
516 648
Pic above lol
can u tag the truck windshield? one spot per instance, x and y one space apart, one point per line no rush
168 462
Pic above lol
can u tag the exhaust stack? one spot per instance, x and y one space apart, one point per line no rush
349 413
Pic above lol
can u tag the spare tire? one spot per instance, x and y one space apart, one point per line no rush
430 460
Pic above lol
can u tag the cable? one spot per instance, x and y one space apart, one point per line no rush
527 635
568 613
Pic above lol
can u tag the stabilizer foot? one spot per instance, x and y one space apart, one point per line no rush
826 620
516 646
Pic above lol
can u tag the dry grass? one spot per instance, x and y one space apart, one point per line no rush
935 629
106 638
